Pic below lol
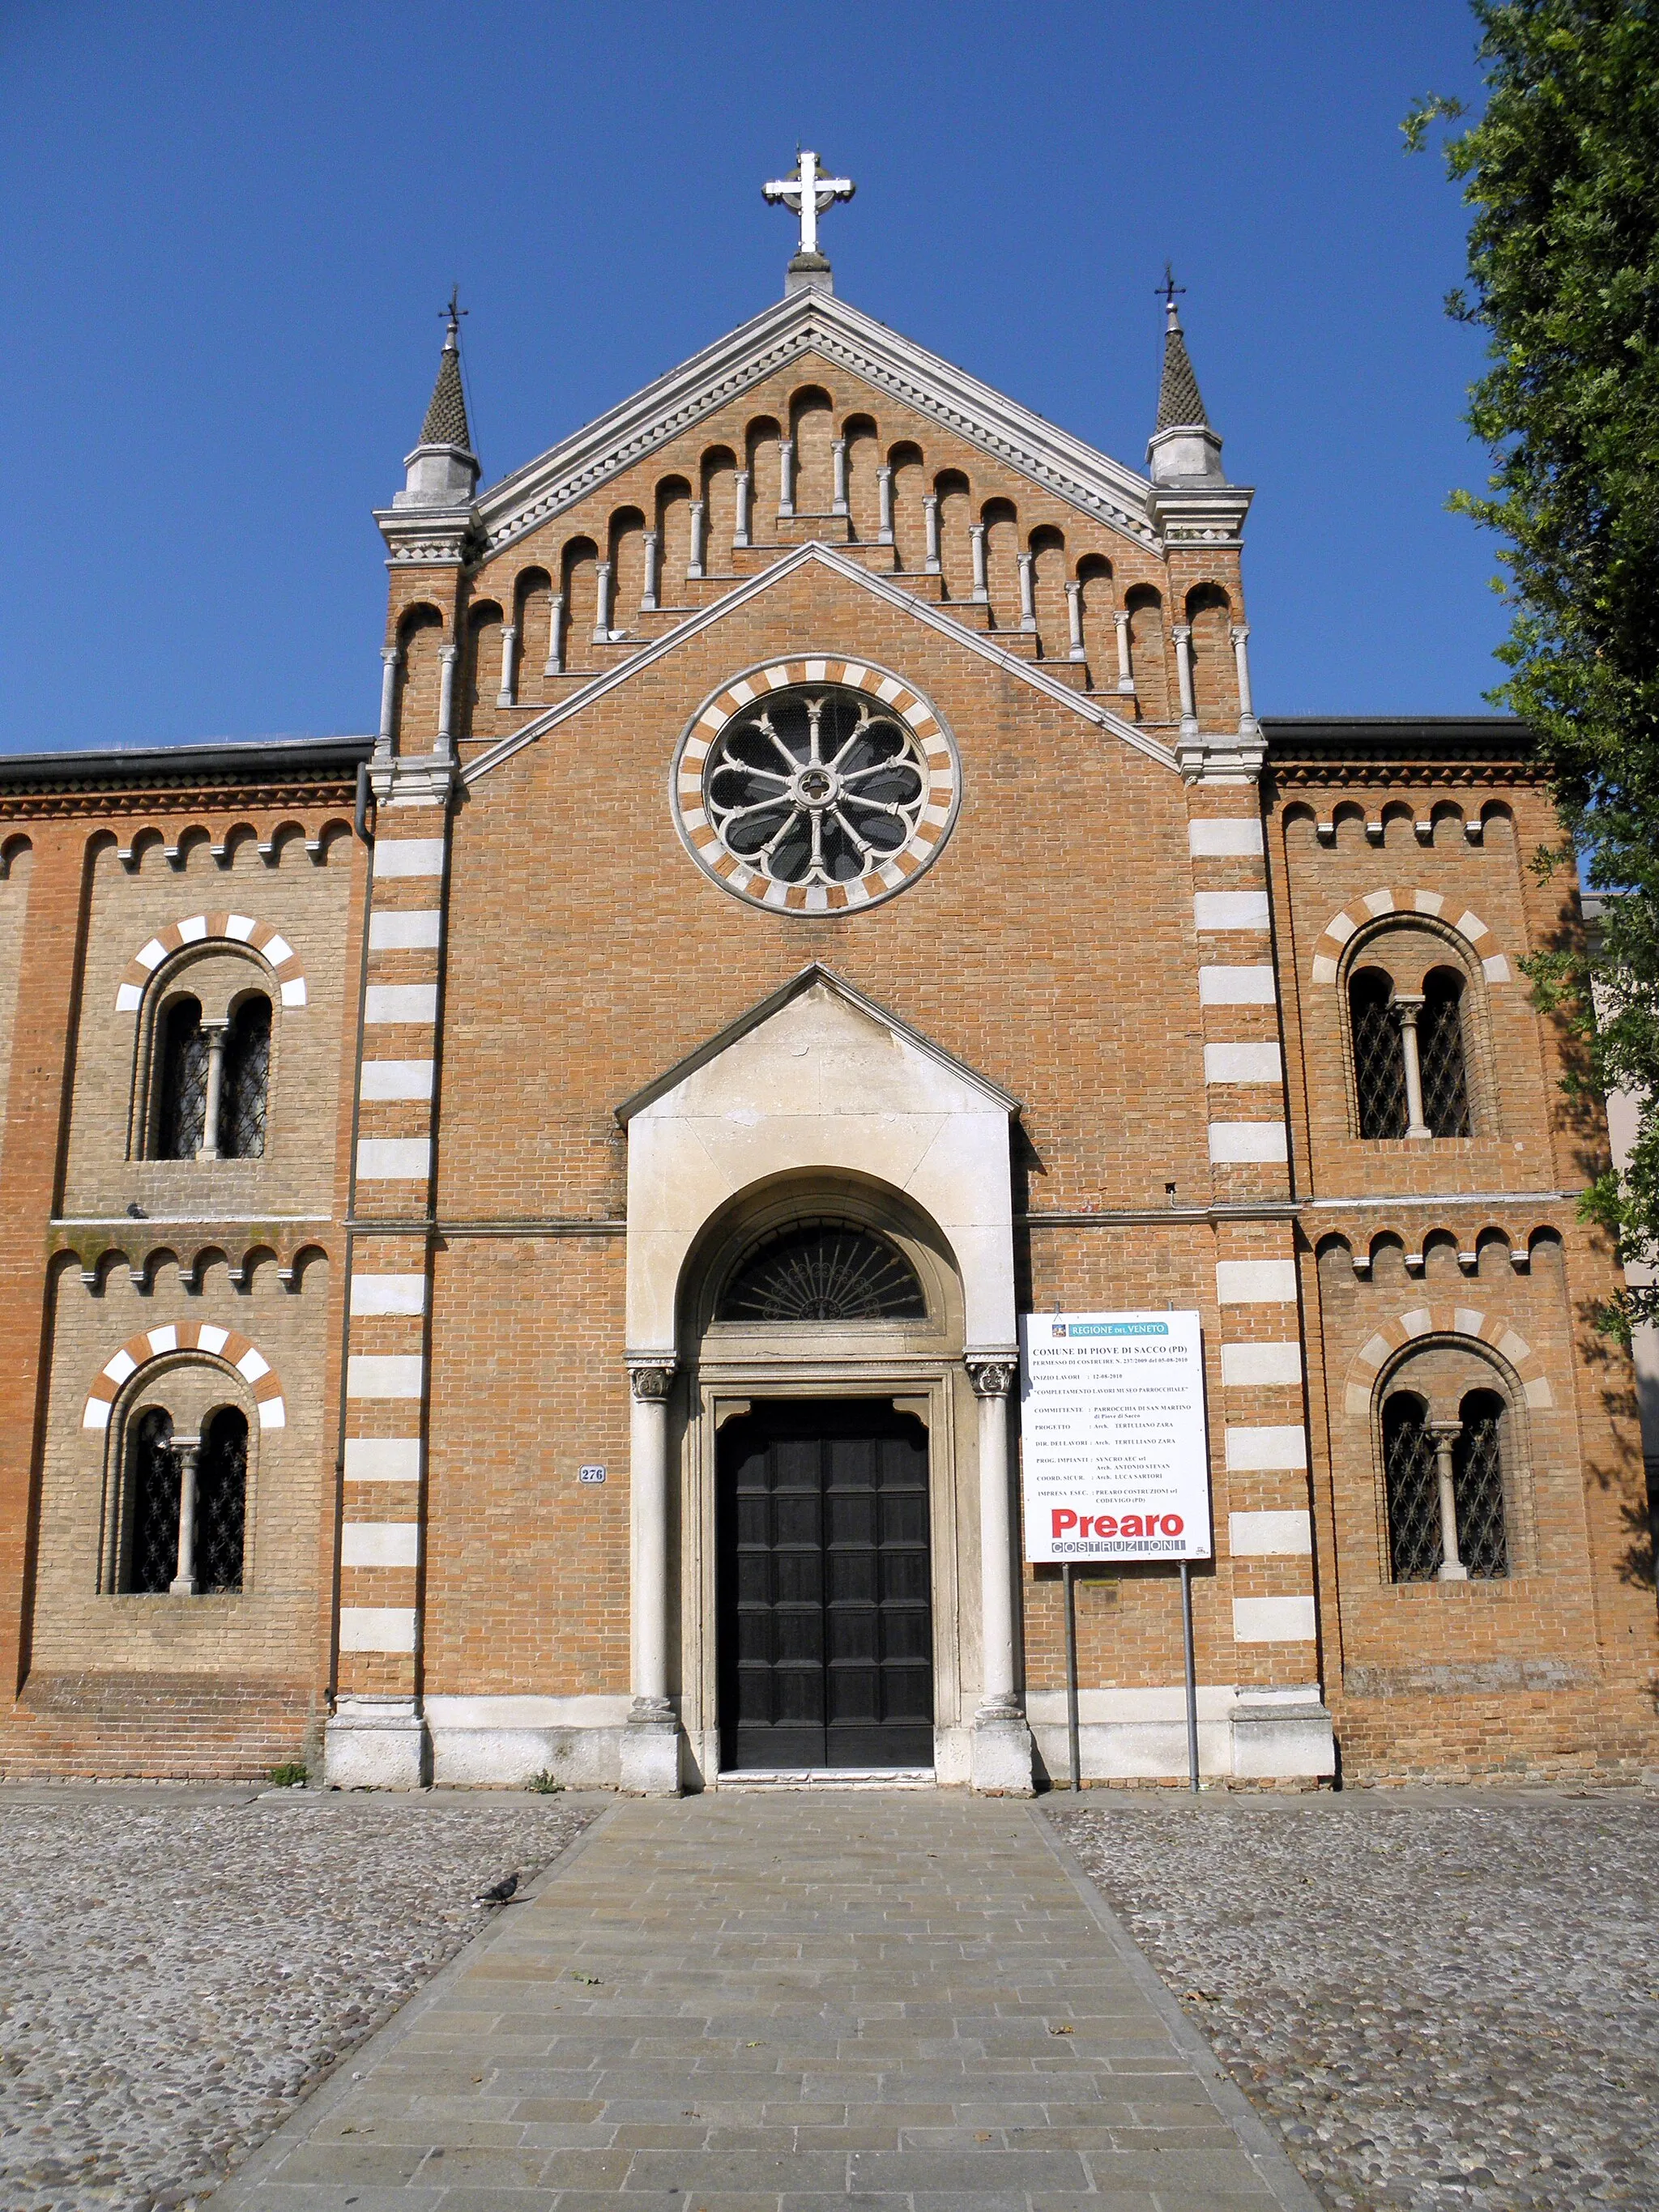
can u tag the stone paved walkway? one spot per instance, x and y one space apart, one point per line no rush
890 1999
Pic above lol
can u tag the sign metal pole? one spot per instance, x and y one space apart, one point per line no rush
1069 1572
1192 1674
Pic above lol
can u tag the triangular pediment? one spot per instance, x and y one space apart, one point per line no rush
817 322
819 1045
853 571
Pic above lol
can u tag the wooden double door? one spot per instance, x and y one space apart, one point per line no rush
825 1613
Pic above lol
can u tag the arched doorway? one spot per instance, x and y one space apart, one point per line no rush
824 1335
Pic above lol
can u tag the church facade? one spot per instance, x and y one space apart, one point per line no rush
516 1226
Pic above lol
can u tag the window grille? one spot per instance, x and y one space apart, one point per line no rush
823 1271
1440 1049
1379 1059
182 1103
221 1501
1413 1482
1478 1486
153 1491
246 1081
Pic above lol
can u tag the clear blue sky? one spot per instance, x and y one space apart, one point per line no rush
228 230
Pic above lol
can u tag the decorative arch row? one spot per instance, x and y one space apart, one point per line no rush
235 1351
318 841
1471 1323
143 1265
1444 821
1519 1251
259 937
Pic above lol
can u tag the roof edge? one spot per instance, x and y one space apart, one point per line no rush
234 760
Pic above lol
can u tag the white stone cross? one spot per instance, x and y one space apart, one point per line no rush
810 194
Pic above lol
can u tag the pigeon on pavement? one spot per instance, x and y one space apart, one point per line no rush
498 1893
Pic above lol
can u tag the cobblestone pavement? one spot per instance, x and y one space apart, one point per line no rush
178 1966
1441 1998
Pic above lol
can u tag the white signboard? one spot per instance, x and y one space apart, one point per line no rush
1115 1458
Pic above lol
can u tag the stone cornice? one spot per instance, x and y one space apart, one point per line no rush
816 322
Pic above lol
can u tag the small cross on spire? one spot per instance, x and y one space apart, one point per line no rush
1166 291
809 193
453 311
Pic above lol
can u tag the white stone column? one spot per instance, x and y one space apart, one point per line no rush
930 518
1125 668
187 1450
650 1751
556 620
448 660
884 510
1406 1009
1182 635
215 1032
1002 1742
650 595
696 564
740 528
1074 617
1445 1435
509 694
1240 637
838 458
390 659
976 544
1027 590
602 616
786 476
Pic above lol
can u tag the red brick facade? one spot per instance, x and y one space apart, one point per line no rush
1142 920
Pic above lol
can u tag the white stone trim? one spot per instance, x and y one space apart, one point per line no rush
1244 1366
387 1294
408 856
383 1459
1237 840
1237 987
1274 1620
1243 1063
405 1004
388 1628
422 931
1233 1143
385 1375
381 1544
396 1079
1270 1535
1255 1282
1217 912
1267 1449
394 1160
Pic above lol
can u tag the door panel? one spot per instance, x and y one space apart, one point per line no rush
824 1587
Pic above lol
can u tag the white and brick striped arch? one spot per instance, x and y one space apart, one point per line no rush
1470 1322
172 1337
1354 917
259 937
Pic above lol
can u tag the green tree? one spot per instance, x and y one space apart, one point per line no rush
1561 173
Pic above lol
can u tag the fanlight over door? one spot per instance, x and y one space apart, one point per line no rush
823 1270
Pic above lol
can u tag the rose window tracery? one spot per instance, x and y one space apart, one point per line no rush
815 786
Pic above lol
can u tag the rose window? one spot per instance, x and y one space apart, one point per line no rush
815 787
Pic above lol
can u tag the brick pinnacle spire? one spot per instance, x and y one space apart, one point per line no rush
445 418
1180 405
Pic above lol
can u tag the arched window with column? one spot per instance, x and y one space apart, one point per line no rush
202 1087
180 1526
1448 1467
1409 1012
182 1074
